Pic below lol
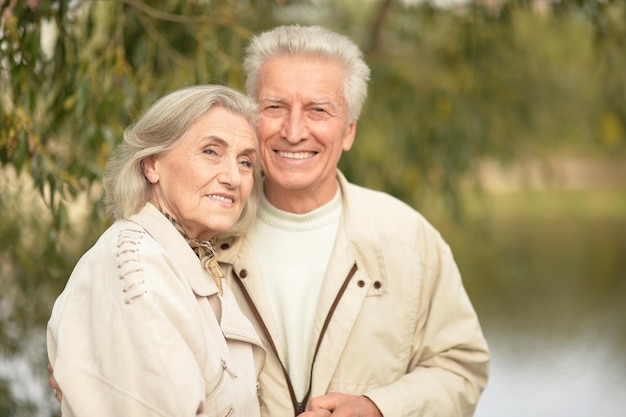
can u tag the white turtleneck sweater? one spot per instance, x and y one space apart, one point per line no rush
293 251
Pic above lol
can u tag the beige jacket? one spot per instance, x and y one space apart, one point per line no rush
137 331
394 321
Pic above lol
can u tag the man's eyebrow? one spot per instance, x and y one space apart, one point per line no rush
273 99
334 108
323 103
312 102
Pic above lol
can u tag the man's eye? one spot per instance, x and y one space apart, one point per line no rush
319 113
275 110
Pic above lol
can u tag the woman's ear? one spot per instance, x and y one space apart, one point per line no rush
150 171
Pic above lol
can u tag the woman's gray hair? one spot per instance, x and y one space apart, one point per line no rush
315 41
159 130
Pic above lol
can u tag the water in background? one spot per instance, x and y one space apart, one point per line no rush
552 303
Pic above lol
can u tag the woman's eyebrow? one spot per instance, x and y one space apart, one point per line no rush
214 138
248 151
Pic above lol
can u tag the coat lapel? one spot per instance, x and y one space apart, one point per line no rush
237 259
344 313
162 230
232 323
356 244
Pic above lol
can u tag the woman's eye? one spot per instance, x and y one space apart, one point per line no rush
247 163
210 151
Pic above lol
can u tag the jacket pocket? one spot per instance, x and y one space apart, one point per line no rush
222 370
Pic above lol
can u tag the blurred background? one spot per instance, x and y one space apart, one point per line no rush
504 122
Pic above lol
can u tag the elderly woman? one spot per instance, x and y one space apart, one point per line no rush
145 326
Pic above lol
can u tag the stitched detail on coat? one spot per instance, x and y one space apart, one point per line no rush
129 265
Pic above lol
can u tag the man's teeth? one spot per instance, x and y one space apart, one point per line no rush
219 197
296 155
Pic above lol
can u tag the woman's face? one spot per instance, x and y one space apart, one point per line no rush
205 181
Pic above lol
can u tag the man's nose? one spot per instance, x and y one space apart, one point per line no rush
295 127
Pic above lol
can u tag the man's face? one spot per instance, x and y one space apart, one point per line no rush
303 127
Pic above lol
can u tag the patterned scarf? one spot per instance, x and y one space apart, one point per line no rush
205 251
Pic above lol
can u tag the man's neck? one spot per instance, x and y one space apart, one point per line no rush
298 201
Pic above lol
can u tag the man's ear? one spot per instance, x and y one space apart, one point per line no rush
150 171
348 139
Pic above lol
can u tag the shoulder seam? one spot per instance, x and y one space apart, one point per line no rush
130 270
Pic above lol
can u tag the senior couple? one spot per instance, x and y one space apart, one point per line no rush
221 291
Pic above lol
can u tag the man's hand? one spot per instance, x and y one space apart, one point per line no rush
53 384
316 413
344 405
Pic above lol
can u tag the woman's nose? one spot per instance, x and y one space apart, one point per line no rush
230 174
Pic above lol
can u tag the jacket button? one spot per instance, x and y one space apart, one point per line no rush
243 273
378 284
224 246
361 283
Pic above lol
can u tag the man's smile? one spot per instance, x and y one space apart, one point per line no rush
296 155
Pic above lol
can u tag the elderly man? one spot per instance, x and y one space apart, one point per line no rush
357 298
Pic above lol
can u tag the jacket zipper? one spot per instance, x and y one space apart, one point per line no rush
216 382
298 406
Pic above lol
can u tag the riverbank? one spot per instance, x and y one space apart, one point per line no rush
571 173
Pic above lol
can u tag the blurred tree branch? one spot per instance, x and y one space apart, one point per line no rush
377 27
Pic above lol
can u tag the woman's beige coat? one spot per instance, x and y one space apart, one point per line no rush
394 322
140 330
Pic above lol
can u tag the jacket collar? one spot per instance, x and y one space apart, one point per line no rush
361 228
358 223
164 232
